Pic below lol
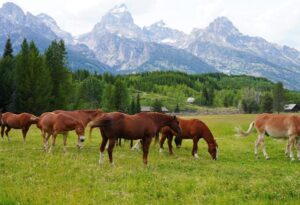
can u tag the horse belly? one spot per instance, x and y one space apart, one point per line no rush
277 133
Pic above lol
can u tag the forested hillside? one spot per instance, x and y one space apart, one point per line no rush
37 82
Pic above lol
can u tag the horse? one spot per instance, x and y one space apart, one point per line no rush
54 124
191 129
139 126
17 121
85 116
277 126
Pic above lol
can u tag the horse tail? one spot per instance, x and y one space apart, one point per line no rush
240 132
102 122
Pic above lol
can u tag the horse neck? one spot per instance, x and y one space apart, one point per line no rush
160 120
209 138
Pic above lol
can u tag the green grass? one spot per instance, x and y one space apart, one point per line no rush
30 176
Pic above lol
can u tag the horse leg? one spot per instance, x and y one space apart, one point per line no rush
170 139
195 147
24 133
291 146
136 145
162 141
102 148
2 132
53 141
287 149
65 141
131 143
146 145
298 149
7 131
120 141
258 142
111 145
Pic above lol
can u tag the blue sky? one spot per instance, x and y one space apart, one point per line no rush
277 21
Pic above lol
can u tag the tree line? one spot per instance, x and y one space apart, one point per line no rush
37 82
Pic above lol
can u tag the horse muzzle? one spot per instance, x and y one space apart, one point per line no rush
81 138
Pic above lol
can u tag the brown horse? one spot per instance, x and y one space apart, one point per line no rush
54 124
139 126
85 116
191 129
276 126
17 121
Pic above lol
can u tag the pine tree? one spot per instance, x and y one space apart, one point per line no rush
157 104
8 50
267 103
132 107
91 90
278 97
121 96
22 77
6 77
60 75
177 110
40 80
108 98
138 104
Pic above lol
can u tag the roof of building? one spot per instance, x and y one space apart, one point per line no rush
289 106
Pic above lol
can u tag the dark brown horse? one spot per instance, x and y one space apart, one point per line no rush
191 129
17 121
54 124
139 126
85 116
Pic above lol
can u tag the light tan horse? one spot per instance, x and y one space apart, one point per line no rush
277 126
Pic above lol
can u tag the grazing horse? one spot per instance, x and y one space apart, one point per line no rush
85 116
17 121
139 126
54 124
277 126
191 129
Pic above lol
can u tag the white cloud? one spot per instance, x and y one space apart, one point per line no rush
275 20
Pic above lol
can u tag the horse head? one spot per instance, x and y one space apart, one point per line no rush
80 131
174 125
213 149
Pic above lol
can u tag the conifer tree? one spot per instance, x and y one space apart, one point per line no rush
60 75
22 77
138 104
132 107
121 96
108 98
278 97
6 77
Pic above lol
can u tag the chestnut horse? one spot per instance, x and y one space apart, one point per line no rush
139 126
54 124
17 121
277 126
191 129
85 116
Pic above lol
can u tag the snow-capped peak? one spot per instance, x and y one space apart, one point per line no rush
222 26
46 19
119 9
160 23
12 12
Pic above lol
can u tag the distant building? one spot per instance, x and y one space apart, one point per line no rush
146 108
150 109
190 100
291 108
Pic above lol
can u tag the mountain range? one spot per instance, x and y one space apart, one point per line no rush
119 46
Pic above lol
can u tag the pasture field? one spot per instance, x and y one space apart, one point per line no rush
28 175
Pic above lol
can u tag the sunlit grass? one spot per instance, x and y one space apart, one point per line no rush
28 175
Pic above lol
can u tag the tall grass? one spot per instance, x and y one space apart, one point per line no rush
28 175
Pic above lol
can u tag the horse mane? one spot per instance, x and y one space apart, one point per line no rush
157 116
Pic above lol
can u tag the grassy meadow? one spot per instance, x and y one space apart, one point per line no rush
28 175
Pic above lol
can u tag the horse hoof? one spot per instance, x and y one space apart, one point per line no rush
196 156
292 159
161 150
267 158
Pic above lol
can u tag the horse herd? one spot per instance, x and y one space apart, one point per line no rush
143 127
